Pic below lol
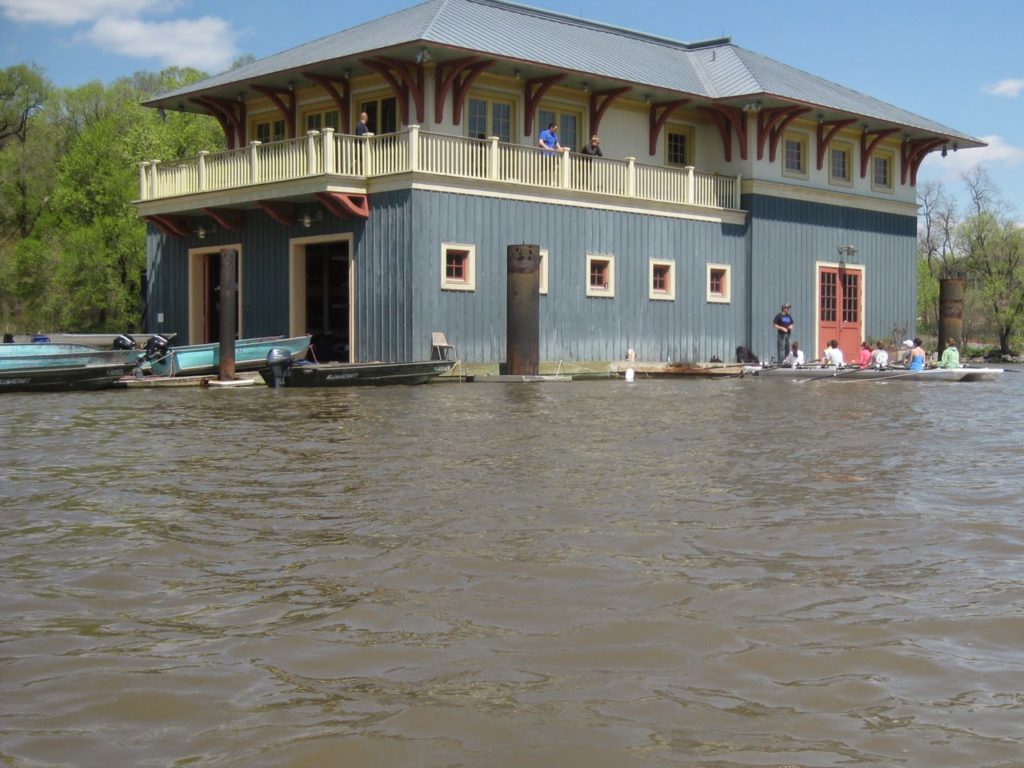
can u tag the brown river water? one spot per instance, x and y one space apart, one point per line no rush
658 573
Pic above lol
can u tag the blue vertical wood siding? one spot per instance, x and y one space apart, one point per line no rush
787 238
399 300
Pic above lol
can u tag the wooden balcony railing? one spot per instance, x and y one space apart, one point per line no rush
415 151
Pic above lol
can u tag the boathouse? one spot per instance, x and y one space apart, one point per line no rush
730 183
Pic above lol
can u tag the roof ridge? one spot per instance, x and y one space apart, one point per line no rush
579 21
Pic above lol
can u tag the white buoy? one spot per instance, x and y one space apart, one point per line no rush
630 374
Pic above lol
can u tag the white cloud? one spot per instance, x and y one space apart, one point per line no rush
949 169
67 12
1011 89
207 43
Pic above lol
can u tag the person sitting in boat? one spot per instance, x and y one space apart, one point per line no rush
833 355
864 356
950 356
917 357
795 358
880 357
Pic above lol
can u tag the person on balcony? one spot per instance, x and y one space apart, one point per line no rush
361 127
549 140
593 149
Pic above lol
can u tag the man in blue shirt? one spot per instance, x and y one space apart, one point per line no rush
783 324
549 140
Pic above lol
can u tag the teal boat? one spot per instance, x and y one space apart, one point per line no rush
204 359
62 367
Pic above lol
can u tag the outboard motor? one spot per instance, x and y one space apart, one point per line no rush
280 362
124 341
156 347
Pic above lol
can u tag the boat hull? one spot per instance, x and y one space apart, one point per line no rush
21 356
874 374
204 359
67 377
359 374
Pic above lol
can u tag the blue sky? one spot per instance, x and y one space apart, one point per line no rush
959 64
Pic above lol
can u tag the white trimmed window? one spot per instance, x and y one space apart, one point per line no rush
719 283
458 267
600 275
794 155
679 146
840 163
661 279
268 131
543 288
318 120
881 171
486 117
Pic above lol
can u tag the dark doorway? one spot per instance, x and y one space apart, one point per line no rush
328 302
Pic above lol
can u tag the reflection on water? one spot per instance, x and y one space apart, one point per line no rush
663 573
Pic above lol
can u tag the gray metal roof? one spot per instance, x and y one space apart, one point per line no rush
552 42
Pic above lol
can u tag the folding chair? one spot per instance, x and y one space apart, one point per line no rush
439 347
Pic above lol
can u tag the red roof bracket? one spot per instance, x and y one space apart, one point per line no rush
771 124
230 115
344 205
532 98
282 213
867 147
729 119
341 99
912 154
405 79
228 218
599 107
657 122
171 226
827 130
285 108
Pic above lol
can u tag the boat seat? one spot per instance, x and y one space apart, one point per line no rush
439 347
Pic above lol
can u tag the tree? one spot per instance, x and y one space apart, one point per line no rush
76 252
992 246
23 90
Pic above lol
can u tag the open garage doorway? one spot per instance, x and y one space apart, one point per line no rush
322 299
204 294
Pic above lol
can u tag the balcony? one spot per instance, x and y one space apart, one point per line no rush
360 159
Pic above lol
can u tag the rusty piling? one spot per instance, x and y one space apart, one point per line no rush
951 310
523 311
228 321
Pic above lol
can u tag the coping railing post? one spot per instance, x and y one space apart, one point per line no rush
201 169
493 158
327 151
738 190
311 168
414 148
565 179
254 162
631 176
153 192
690 190
366 154
143 181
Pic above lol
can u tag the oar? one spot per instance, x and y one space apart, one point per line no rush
839 372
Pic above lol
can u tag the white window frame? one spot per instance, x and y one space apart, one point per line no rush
469 284
890 160
669 294
542 288
719 298
804 142
847 149
607 292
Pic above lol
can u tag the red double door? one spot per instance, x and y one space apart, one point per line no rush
840 310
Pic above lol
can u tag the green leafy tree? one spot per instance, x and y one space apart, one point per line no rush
77 255
992 246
